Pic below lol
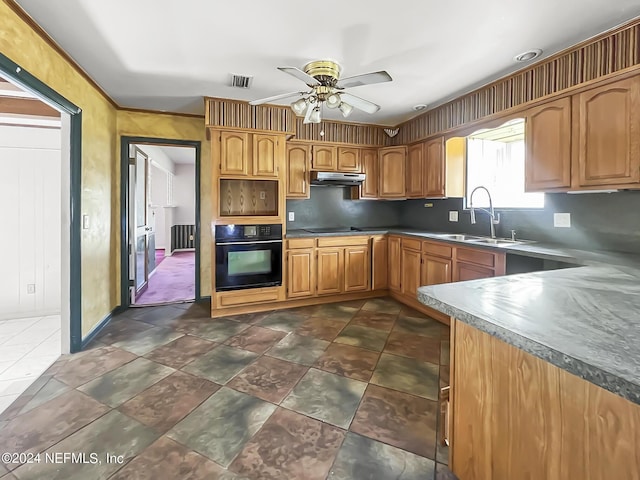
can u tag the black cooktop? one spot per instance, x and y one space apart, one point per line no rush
332 230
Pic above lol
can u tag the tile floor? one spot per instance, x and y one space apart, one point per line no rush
339 391
28 346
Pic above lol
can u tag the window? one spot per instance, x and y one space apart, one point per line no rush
495 160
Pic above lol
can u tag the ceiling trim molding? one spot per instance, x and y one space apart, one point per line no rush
159 112
26 18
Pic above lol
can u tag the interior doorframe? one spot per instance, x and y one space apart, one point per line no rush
125 141
11 70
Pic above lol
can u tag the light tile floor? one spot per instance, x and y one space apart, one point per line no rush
28 346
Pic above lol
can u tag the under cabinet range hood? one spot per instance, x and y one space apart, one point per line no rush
337 179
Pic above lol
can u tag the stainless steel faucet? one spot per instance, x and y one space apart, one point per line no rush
495 219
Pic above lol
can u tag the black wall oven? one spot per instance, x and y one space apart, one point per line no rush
248 256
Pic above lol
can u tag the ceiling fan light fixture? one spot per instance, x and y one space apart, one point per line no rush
346 109
299 106
315 115
333 101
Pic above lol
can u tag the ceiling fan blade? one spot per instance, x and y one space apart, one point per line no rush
364 79
300 75
307 116
275 97
359 103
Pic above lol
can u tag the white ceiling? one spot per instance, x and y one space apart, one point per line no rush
180 155
167 55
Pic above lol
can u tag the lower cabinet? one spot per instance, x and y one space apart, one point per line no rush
468 271
410 267
395 254
330 270
435 270
356 269
379 263
301 273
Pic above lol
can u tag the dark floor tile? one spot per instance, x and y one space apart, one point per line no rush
214 329
256 339
407 375
298 349
445 353
373 319
383 305
168 459
121 330
335 311
52 389
143 342
361 458
220 364
399 419
326 397
426 349
86 366
427 327
198 310
289 446
49 423
167 402
181 351
113 433
283 321
445 378
322 328
443 473
251 318
268 378
410 312
365 337
442 450
123 383
164 316
222 425
348 361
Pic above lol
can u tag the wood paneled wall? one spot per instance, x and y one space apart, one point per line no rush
342 132
604 55
242 197
223 112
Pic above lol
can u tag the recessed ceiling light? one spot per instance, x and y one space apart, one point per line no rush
528 55
420 106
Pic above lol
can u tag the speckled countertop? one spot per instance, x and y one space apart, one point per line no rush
584 320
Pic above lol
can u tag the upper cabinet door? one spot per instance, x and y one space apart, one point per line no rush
434 168
391 168
234 153
369 160
268 151
608 134
415 165
548 146
325 158
348 159
298 163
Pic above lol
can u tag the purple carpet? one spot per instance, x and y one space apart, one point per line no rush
159 256
173 280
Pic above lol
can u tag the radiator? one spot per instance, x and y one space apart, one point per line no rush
183 236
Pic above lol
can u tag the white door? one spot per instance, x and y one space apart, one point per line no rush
140 229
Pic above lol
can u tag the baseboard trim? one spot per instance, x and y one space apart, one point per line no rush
98 328
420 307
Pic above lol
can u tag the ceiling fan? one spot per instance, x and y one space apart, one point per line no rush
323 78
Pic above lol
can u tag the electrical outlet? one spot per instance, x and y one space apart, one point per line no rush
292 216
453 216
263 195
85 222
31 288
562 220
428 205
191 238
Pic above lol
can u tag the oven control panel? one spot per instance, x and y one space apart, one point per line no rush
248 232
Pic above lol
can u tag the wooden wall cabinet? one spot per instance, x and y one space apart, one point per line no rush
324 158
244 154
298 166
391 172
606 132
348 159
415 167
301 275
369 166
379 263
548 146
434 183
395 267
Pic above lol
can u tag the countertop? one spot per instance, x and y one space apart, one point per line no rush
585 320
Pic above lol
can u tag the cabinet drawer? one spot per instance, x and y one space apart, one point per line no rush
345 241
245 297
478 257
301 243
411 243
437 249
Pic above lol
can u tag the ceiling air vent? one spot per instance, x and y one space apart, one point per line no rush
241 81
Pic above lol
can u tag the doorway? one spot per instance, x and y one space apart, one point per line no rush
39 145
161 221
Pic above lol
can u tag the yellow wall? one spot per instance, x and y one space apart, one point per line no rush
177 127
100 293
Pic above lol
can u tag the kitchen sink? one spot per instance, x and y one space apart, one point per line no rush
496 241
459 237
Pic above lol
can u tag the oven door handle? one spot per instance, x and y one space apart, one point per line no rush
249 242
